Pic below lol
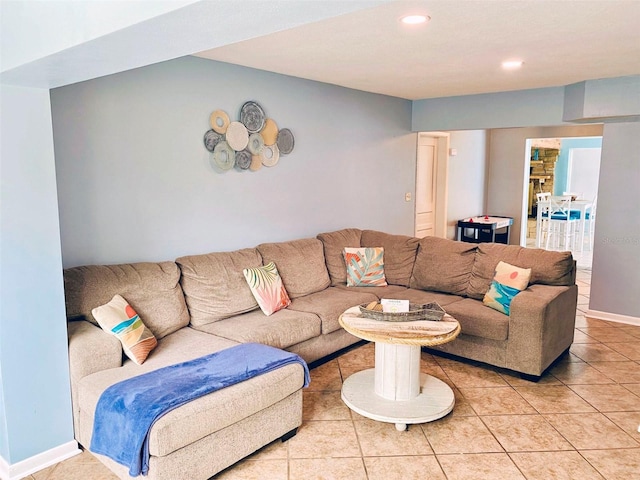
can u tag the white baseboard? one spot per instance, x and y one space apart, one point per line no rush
36 463
613 317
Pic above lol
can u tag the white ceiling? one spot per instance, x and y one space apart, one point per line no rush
459 51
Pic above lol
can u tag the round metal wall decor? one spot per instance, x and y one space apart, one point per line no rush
252 116
219 121
251 142
256 143
270 155
285 141
256 163
269 131
243 159
211 139
224 156
237 136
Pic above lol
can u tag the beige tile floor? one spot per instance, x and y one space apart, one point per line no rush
579 422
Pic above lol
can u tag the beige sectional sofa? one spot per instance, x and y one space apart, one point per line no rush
200 304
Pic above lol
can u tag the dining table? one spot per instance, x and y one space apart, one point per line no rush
579 205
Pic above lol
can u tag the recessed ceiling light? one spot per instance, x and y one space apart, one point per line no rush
512 64
415 19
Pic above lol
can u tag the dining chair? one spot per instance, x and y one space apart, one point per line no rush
542 217
563 223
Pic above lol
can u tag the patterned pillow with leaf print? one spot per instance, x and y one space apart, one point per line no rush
267 288
365 267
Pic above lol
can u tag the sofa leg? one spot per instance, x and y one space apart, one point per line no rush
289 434
530 378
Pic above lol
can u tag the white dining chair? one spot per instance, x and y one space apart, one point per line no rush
563 224
542 217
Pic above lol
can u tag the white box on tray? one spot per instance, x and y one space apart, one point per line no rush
391 305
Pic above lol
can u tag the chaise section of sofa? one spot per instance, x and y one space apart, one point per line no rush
202 437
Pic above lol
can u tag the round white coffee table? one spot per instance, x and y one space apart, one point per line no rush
395 391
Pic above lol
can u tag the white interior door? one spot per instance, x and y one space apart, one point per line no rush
584 171
426 170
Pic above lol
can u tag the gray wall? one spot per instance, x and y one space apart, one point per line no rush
135 183
466 191
616 254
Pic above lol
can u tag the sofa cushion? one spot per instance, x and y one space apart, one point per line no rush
281 330
329 304
547 267
365 267
443 265
119 319
399 254
152 289
300 263
214 285
334 244
478 320
267 288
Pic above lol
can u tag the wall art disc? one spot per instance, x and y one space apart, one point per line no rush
237 136
224 156
243 160
270 155
285 141
256 143
252 116
269 131
219 121
211 139
256 163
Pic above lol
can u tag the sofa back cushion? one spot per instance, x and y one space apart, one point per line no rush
301 265
214 285
334 244
443 265
399 254
547 268
152 289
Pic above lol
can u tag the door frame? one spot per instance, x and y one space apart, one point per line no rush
441 181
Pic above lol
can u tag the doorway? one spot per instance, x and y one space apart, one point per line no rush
431 184
557 166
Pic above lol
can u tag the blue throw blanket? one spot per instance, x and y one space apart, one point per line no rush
127 410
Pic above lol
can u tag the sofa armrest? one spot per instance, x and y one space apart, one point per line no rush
541 327
91 350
